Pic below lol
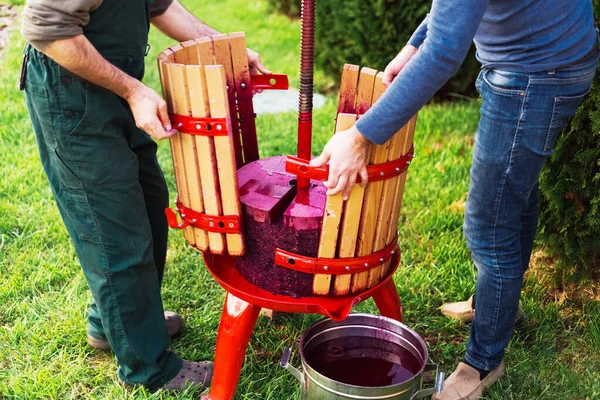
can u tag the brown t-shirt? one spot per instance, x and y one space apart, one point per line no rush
45 21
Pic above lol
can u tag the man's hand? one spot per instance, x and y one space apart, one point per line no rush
150 112
255 64
346 152
398 63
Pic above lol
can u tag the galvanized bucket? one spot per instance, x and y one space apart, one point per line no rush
316 386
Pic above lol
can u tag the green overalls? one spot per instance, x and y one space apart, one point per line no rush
110 191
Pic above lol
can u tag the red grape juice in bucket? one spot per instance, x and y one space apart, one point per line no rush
362 357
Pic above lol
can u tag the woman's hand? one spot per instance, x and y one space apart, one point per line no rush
398 63
346 153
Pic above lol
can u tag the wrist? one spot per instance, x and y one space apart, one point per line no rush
359 137
129 89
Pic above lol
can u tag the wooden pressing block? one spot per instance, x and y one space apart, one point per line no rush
219 108
222 56
185 154
353 207
331 220
406 145
372 198
274 217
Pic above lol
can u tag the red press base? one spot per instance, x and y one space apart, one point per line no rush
243 304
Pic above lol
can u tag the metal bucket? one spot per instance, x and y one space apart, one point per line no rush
349 348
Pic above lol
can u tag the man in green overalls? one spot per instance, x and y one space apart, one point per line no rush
94 120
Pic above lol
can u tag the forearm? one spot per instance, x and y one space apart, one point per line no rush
181 25
79 56
451 28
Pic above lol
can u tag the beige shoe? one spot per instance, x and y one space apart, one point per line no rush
173 320
461 310
192 374
464 383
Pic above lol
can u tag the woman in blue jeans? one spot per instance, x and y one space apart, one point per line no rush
539 58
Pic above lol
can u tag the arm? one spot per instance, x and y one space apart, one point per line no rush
450 30
79 56
418 37
181 25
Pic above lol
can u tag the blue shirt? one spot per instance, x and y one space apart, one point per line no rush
513 35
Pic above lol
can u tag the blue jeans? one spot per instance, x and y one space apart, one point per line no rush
521 117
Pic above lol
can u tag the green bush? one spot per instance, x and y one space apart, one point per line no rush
570 188
570 191
291 8
370 33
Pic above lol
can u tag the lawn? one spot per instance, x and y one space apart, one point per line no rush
43 294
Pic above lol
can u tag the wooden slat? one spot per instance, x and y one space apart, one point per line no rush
370 207
332 218
176 153
349 234
388 193
206 159
241 71
348 86
364 96
407 144
205 51
178 54
184 155
190 53
353 207
217 94
222 52
334 204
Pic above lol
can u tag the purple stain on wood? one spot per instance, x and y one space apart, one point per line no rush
275 218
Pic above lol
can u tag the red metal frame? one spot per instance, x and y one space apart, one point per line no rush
246 118
210 223
224 271
270 82
199 126
243 304
304 145
335 266
377 172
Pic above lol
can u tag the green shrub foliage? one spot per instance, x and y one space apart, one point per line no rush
291 8
570 191
370 33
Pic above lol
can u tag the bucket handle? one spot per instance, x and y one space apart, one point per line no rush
437 387
285 363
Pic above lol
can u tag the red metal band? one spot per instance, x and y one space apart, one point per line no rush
199 126
210 223
377 172
335 266
270 82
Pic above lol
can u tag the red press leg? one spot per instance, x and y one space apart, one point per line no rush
388 301
237 323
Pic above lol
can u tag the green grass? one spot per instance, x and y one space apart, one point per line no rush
44 297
